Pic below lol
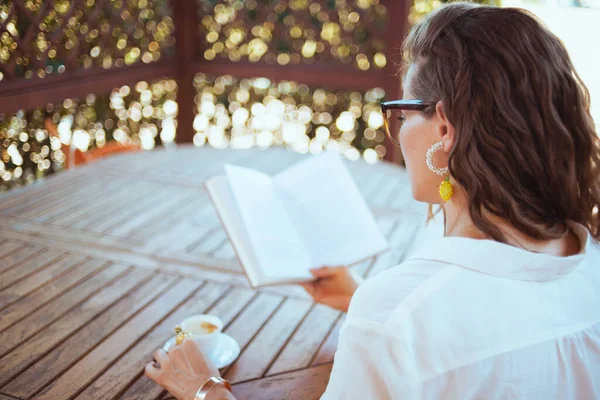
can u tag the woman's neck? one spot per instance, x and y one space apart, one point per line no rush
457 222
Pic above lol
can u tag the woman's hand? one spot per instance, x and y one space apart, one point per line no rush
334 286
182 371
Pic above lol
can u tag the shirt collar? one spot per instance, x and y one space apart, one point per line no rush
503 260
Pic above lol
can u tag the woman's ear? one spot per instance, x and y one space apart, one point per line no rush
445 129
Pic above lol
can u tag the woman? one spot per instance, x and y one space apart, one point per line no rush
496 128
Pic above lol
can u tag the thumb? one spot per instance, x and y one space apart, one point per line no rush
324 272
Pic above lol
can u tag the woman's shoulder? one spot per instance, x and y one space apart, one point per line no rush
378 296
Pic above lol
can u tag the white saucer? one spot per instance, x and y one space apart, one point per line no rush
223 354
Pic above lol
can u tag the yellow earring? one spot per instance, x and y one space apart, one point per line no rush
446 187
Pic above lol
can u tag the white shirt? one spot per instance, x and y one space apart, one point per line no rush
475 319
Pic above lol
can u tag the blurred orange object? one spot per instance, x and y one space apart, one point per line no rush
74 156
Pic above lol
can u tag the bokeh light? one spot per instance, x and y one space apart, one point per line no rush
295 31
83 35
263 113
144 114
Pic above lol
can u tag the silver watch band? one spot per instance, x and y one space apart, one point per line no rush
209 384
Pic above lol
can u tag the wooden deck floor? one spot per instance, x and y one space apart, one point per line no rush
98 264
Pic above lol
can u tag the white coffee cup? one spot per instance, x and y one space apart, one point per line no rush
206 340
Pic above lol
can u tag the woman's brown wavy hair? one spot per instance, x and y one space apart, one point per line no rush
526 148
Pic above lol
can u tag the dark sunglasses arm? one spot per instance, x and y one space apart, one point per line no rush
410 105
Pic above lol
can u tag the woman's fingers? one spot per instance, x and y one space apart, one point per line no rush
152 371
325 272
161 358
310 287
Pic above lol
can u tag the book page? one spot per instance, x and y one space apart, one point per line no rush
329 212
222 198
278 247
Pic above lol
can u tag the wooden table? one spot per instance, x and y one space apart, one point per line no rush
98 264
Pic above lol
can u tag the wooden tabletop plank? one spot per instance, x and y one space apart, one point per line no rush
150 209
211 241
400 241
182 234
174 201
126 370
227 307
305 342
29 202
47 314
158 225
69 351
131 210
39 278
91 206
8 247
329 346
17 257
51 336
83 269
252 318
306 384
258 355
37 192
6 397
142 389
77 204
106 206
225 251
57 199
117 212
82 373
231 304
31 266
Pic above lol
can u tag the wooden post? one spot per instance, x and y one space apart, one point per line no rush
397 30
186 42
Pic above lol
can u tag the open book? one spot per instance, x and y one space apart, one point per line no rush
307 216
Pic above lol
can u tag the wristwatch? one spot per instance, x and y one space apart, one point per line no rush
209 384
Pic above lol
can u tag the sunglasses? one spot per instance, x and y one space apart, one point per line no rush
388 107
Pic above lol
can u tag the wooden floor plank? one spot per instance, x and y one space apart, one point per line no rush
306 384
44 294
31 266
256 358
329 346
82 373
305 342
44 340
47 314
69 351
126 370
38 279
